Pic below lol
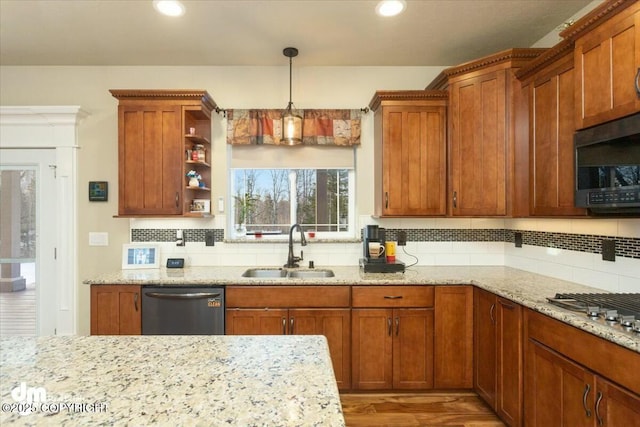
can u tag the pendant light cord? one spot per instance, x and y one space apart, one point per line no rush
290 84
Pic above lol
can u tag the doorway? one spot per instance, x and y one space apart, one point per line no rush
27 242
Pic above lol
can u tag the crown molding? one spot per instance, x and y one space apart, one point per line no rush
561 49
595 17
517 57
406 95
166 94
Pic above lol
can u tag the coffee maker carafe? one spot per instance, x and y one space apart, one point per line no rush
373 234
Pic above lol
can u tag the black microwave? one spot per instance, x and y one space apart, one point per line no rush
608 167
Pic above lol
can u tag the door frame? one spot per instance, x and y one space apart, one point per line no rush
54 127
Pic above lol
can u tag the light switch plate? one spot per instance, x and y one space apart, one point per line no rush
98 238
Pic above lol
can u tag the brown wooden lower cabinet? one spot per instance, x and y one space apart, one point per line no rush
560 391
116 310
287 312
392 348
498 355
392 337
453 339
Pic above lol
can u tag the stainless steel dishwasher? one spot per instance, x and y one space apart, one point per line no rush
182 311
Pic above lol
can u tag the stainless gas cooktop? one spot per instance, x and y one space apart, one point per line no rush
620 311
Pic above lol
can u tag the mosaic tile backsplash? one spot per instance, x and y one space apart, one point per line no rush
625 246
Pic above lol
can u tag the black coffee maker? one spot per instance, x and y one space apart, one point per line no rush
377 264
373 234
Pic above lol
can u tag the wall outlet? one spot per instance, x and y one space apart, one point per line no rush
402 238
517 239
209 238
609 250
179 238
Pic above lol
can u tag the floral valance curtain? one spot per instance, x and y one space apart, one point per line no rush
319 127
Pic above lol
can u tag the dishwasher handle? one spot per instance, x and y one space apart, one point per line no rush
193 295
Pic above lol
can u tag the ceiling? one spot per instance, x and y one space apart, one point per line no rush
253 32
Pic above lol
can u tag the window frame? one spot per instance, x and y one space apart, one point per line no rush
349 234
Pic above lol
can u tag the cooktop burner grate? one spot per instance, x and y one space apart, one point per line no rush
626 304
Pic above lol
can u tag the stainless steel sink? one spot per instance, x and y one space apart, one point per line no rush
265 273
277 273
310 274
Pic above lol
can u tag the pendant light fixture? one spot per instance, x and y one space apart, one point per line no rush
291 122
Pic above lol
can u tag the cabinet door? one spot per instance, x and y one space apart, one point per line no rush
478 145
414 161
412 348
509 361
615 406
453 340
335 325
485 374
115 310
150 157
552 165
607 59
372 342
558 392
242 321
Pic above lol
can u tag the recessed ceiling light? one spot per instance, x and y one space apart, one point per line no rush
169 7
391 7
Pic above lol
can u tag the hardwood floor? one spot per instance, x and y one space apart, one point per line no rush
18 312
417 409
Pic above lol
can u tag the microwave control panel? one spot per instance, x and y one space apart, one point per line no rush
614 197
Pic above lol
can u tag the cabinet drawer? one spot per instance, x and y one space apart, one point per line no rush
287 296
392 296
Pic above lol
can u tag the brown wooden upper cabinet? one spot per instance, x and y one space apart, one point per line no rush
607 60
548 92
410 153
482 97
157 132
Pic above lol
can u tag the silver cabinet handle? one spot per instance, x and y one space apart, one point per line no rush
455 199
491 310
598 416
397 326
195 295
389 326
638 83
284 326
135 301
291 326
386 200
587 411
177 199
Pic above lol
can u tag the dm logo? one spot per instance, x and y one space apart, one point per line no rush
25 394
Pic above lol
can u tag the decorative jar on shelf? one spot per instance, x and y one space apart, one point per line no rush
193 182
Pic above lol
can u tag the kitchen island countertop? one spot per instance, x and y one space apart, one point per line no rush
528 289
170 380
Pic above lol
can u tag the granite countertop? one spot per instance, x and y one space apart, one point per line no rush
171 380
525 288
